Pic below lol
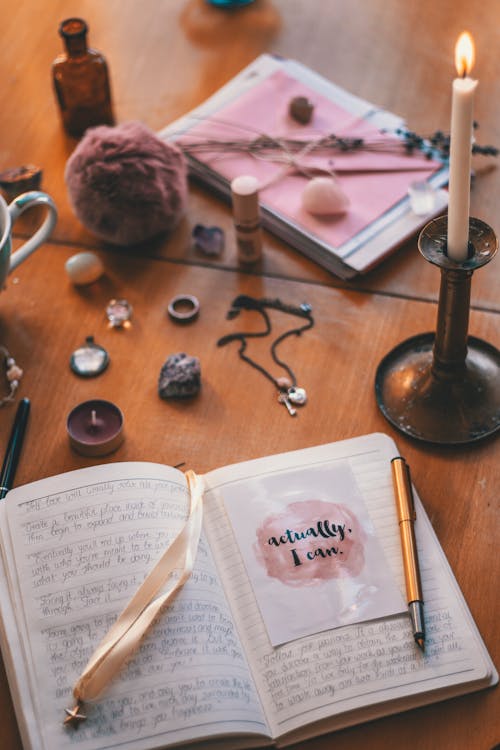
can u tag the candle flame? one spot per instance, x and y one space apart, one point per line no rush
464 54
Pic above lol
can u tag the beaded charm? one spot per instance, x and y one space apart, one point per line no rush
13 374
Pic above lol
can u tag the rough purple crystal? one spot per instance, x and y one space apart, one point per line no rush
180 376
208 240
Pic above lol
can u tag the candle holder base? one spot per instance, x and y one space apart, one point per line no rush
440 410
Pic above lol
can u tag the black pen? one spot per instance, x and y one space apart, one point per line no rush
406 518
14 446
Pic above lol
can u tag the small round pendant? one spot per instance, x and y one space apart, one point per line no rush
297 395
89 360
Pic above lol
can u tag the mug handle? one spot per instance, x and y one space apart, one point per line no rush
17 207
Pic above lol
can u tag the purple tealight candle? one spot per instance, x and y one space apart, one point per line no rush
95 428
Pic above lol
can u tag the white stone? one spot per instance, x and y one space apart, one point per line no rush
323 196
84 268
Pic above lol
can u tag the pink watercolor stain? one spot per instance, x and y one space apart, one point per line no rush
309 542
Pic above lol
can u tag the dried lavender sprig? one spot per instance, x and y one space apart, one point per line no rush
436 146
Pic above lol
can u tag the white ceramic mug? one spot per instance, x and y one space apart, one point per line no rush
8 214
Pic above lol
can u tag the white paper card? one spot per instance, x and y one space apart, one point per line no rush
310 551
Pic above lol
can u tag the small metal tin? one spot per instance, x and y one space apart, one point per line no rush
95 428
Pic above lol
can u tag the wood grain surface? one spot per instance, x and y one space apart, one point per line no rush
166 57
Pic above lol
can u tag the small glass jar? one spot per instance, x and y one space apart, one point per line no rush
81 81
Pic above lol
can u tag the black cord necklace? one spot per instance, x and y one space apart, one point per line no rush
289 393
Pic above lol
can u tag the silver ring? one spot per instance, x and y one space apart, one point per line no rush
184 308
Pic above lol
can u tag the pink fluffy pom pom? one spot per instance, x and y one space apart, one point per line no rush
126 185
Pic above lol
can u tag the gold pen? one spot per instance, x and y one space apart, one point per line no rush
406 516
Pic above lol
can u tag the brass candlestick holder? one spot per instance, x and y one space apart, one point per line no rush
445 387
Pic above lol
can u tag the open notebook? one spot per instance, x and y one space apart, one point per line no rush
76 546
376 178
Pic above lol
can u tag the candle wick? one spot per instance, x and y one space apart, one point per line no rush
93 418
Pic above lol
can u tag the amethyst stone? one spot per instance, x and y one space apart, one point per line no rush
180 377
208 240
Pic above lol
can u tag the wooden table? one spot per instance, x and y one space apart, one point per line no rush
166 57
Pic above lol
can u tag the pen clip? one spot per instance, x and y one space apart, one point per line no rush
413 512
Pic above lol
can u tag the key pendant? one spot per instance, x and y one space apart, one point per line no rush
297 395
283 399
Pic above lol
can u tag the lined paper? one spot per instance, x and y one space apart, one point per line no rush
81 545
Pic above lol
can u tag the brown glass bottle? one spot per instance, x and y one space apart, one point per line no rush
81 81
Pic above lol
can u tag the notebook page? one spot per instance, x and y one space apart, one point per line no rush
359 665
80 546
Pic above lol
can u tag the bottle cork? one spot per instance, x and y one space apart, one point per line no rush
246 216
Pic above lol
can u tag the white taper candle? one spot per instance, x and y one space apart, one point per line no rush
460 151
